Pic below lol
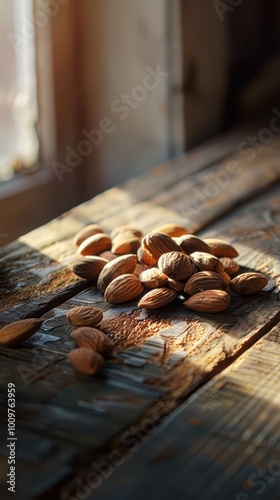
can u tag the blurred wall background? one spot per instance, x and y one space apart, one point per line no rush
123 85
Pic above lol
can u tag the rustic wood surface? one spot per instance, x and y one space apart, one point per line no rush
66 421
222 443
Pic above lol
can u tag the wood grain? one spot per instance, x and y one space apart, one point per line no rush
36 270
223 443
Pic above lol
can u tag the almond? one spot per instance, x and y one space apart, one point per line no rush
19 331
172 230
176 285
108 255
94 339
125 243
153 278
86 232
84 316
89 267
157 298
86 361
126 229
221 248
204 280
125 264
145 257
176 265
139 269
123 289
231 267
248 283
191 243
159 243
225 277
95 244
206 262
211 301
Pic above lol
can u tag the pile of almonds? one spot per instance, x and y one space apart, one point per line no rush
165 264
92 343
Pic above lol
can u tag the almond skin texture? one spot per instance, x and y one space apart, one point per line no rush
121 230
85 233
248 283
191 243
173 230
176 265
125 264
86 361
123 289
94 339
95 244
125 243
204 280
221 248
84 316
19 331
108 255
145 257
176 285
153 278
206 262
89 267
159 243
231 267
211 301
157 298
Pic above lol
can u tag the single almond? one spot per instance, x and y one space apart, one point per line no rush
248 283
226 277
95 244
173 230
123 289
153 278
108 255
176 285
145 257
204 280
125 230
93 338
221 248
159 297
230 265
84 316
89 267
19 331
191 243
125 243
85 360
211 301
124 264
139 269
206 262
159 243
176 265
85 233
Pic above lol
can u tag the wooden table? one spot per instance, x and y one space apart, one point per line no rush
188 406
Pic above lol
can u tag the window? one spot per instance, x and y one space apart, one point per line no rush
19 143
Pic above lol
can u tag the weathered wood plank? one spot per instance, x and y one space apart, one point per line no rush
36 271
161 358
223 443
